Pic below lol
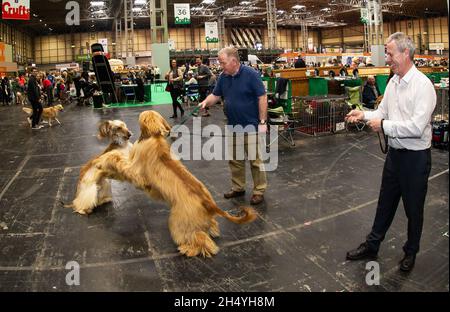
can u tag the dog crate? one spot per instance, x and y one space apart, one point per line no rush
318 115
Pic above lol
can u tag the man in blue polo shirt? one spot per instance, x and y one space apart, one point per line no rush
246 106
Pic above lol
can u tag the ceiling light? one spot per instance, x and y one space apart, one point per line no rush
99 12
136 9
97 3
245 3
208 1
140 1
298 7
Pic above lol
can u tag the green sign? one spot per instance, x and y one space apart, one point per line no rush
211 32
182 13
81 58
364 15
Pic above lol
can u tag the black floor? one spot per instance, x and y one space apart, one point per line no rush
320 203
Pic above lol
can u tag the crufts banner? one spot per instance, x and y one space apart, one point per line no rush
211 32
182 13
16 9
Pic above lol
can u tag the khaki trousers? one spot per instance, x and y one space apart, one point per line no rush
249 146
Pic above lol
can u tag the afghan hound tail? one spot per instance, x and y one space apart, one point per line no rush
27 110
248 214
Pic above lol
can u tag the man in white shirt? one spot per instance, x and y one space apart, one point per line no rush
404 116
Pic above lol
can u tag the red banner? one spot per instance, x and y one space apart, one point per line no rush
16 9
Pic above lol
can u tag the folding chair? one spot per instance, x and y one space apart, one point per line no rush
129 92
284 125
191 93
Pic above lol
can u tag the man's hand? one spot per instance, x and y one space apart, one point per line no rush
354 116
375 125
202 104
262 128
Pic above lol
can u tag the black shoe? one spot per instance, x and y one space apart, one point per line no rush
182 114
407 263
232 194
256 199
173 116
362 252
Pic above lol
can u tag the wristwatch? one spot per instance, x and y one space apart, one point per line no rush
262 122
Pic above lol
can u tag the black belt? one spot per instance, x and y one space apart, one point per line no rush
403 150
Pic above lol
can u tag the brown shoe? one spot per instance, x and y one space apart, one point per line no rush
256 199
232 194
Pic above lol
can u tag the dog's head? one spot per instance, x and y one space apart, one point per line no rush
152 124
115 130
59 108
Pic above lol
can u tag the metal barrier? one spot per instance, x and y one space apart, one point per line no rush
441 110
320 114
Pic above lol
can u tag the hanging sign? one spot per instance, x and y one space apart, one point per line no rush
182 13
364 15
104 43
16 9
211 32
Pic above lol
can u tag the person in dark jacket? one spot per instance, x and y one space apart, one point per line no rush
300 63
370 92
5 91
34 94
140 90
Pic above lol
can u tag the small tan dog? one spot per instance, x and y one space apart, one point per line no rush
151 167
20 99
48 114
92 189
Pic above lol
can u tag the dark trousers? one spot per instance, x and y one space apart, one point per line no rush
49 92
405 176
37 112
202 93
175 93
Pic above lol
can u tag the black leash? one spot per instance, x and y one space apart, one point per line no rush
383 141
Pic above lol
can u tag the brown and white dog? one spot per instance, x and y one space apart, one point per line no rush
92 189
48 113
20 98
151 167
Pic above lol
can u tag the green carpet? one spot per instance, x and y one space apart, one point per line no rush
159 97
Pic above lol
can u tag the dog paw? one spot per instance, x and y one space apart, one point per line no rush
188 250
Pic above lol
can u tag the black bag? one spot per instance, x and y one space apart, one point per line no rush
169 87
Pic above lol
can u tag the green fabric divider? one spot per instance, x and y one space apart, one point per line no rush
353 82
270 83
318 86
381 81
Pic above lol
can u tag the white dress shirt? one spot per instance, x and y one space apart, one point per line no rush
407 106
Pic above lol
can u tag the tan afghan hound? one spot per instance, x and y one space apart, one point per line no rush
94 189
151 167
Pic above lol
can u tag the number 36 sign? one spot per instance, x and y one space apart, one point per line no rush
182 13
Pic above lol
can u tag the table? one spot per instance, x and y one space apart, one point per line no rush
147 90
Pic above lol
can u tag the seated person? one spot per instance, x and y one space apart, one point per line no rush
370 92
190 78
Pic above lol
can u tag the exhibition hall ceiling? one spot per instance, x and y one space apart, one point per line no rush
49 16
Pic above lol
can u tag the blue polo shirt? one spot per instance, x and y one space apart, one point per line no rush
241 93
